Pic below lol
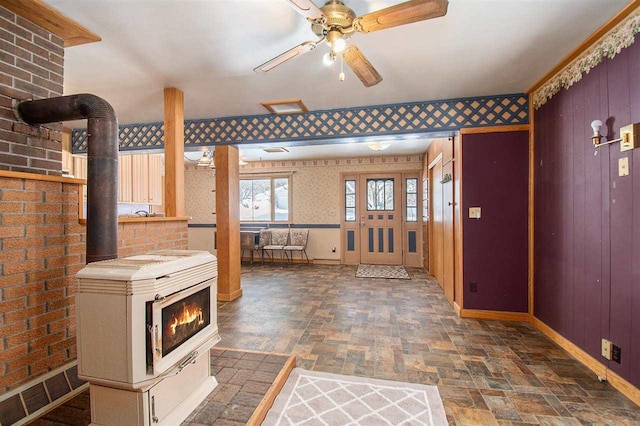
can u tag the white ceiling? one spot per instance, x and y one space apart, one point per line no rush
208 49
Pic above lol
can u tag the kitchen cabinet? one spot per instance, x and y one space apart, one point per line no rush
67 158
80 171
124 179
156 183
146 179
140 177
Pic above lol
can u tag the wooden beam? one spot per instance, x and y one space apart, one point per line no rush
52 20
495 129
173 152
593 38
228 222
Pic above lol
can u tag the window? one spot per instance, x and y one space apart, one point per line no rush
349 200
264 199
412 199
380 194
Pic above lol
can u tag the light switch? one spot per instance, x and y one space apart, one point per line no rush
623 166
475 212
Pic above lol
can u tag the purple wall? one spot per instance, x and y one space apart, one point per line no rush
495 171
587 286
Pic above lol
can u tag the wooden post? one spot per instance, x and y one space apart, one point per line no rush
173 152
228 222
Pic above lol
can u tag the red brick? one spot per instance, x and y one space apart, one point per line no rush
51 362
45 274
43 230
9 207
74 229
62 345
56 262
11 255
13 379
49 339
23 290
13 195
44 252
25 337
52 297
11 183
12 329
67 239
73 269
36 355
23 314
47 318
13 353
41 185
43 208
11 231
67 325
22 266
75 249
12 280
61 303
12 305
22 219
20 243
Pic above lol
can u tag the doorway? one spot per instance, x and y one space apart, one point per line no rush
380 221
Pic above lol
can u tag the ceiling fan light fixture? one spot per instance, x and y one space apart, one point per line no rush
339 45
378 146
329 58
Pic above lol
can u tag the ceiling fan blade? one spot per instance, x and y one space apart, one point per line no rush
300 49
308 9
401 14
361 66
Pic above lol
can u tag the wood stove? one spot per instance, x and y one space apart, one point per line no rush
145 325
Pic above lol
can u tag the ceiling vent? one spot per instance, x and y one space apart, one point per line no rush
275 149
291 106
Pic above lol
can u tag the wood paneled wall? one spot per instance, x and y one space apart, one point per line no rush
587 226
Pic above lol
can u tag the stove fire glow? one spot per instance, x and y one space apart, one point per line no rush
183 319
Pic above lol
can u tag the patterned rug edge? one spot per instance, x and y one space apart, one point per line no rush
382 271
437 412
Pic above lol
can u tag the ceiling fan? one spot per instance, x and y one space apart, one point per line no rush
335 22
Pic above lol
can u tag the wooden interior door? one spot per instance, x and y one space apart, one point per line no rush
447 228
436 227
380 218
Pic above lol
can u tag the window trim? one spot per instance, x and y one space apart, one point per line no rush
271 177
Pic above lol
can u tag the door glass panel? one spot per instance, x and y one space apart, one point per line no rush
380 194
412 200
350 200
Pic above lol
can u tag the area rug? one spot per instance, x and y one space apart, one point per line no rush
382 271
315 398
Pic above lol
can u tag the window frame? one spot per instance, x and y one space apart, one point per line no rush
272 178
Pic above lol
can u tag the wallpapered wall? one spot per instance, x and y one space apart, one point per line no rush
316 193
316 185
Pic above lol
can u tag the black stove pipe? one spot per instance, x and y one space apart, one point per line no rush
102 148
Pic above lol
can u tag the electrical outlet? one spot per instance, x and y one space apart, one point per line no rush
473 287
615 353
607 348
623 166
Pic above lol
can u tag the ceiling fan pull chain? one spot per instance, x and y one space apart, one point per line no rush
341 75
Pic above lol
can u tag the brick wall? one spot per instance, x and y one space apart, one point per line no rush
141 237
42 247
31 67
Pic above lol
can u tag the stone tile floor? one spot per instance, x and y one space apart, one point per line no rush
487 372
243 380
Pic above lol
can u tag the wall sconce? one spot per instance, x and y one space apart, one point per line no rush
629 136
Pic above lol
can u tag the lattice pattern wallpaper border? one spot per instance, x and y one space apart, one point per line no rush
397 119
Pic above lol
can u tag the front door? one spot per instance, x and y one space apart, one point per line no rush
380 218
